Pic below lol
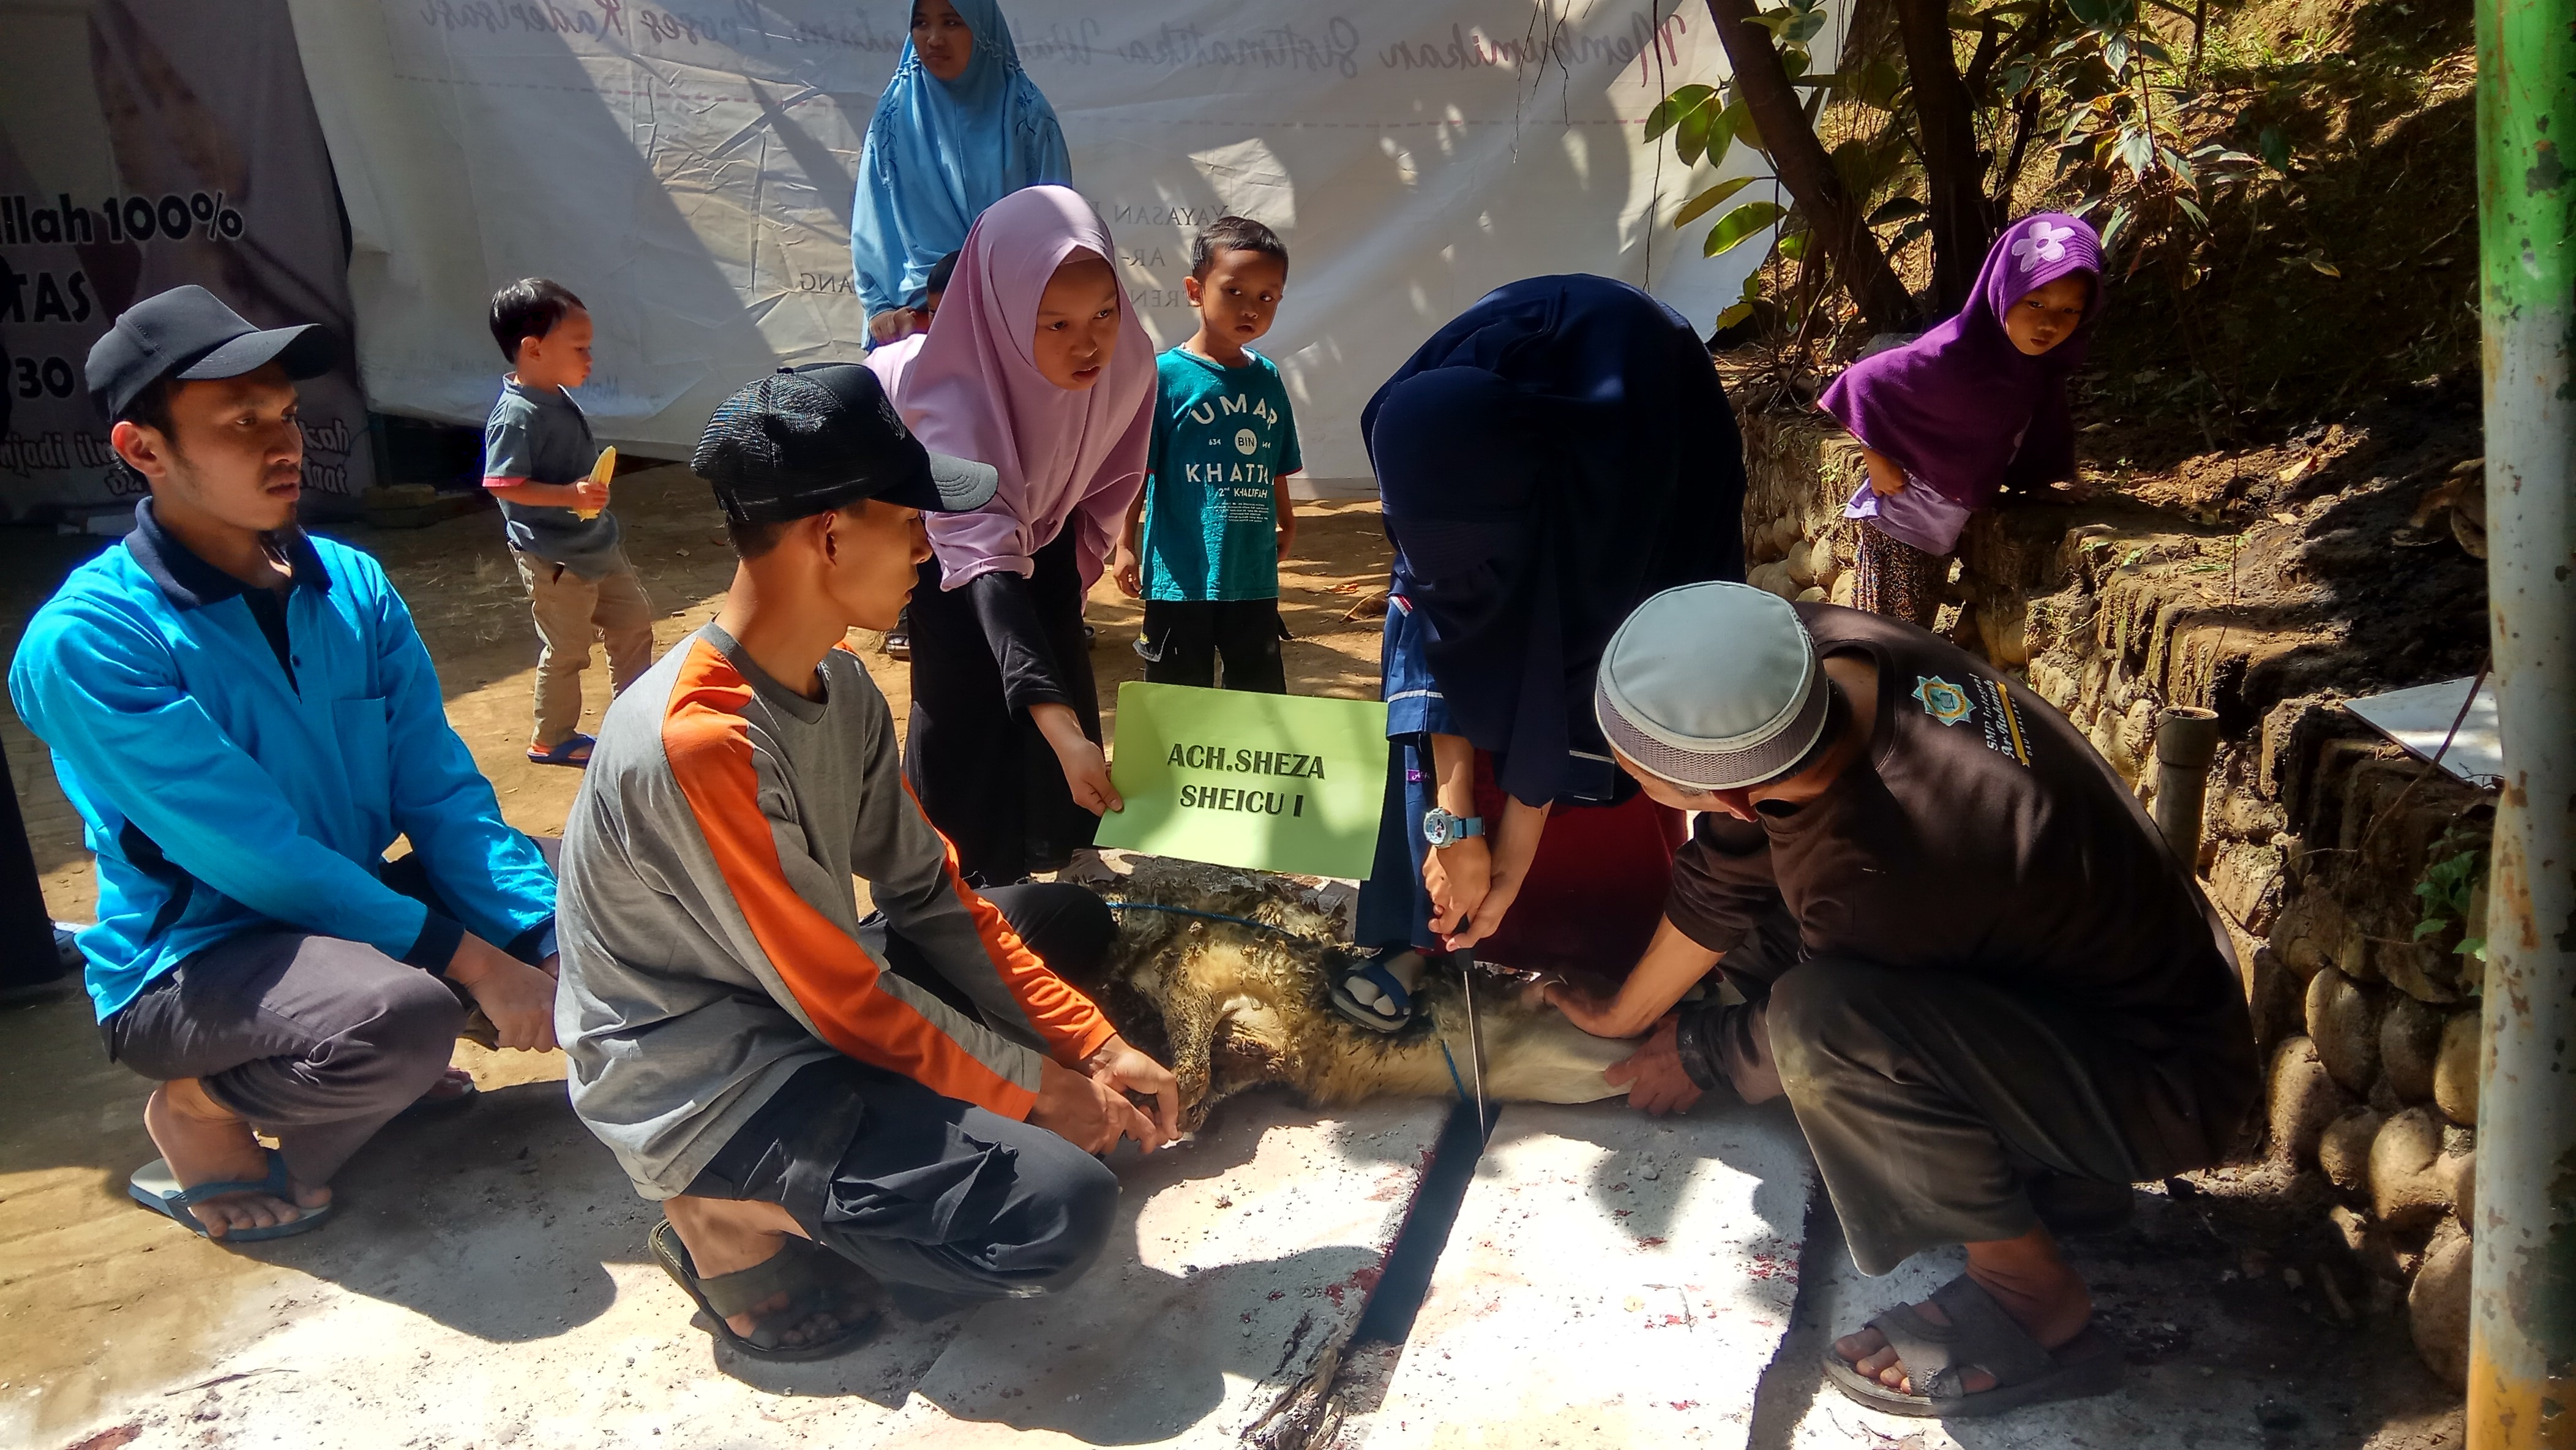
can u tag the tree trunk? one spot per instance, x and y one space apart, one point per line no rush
1799 160
1952 170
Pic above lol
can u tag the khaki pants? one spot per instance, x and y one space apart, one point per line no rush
570 612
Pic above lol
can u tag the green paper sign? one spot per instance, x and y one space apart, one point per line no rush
1273 782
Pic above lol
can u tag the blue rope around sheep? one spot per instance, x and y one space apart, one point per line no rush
1455 1080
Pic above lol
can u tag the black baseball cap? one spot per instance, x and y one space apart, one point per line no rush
804 441
188 333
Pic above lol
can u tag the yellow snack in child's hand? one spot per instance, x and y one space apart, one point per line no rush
600 472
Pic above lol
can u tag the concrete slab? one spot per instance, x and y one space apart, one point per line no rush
1612 1279
1243 1269
511 1306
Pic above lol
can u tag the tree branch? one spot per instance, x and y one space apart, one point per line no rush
2025 121
1799 160
1953 169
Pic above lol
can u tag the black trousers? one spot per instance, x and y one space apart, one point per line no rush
1183 638
922 1190
984 775
316 1040
1931 1100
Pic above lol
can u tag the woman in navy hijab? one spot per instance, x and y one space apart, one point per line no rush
1553 456
959 127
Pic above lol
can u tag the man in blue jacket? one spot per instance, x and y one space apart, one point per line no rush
246 719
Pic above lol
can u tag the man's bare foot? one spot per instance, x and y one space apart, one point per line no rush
205 1142
452 1084
726 1236
2029 1279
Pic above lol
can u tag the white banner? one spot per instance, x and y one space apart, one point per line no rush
688 173
145 144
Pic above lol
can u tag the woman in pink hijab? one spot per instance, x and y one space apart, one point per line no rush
1037 366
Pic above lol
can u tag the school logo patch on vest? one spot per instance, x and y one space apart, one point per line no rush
1980 701
1942 700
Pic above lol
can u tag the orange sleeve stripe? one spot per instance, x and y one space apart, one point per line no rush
832 977
1067 1019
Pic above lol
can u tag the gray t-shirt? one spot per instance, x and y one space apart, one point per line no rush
712 942
542 437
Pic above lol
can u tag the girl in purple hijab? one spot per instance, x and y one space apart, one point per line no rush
1975 404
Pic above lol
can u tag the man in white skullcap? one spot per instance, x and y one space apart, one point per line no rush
1990 994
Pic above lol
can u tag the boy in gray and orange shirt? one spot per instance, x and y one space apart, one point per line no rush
818 1099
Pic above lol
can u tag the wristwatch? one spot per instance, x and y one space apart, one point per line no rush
1443 829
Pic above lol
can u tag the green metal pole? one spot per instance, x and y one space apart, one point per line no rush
2522 1327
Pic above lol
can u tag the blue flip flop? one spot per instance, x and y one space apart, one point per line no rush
155 1187
1374 972
561 752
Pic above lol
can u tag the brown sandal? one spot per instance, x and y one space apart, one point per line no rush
792 1271
1980 1335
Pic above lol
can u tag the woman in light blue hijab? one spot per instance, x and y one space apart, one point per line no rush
959 127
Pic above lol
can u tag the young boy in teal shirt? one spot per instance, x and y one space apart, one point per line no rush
1204 539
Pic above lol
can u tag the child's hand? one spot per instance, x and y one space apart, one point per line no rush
895 323
1128 570
1287 534
1886 479
592 496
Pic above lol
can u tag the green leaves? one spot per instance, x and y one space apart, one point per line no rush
2137 149
1669 111
1745 130
1708 201
2113 231
2275 148
1709 139
1750 299
1793 24
1740 224
1700 121
2450 894
1878 85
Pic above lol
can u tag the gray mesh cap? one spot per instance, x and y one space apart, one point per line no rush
1713 686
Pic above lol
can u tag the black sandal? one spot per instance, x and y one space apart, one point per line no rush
1980 1335
792 1271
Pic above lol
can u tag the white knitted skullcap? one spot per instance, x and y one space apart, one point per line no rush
1713 686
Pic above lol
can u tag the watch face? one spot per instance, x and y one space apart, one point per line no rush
1437 826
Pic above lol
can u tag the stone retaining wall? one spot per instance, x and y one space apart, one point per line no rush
2316 834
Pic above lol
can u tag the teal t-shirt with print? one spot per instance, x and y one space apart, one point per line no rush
1223 439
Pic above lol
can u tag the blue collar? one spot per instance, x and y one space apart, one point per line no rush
189 582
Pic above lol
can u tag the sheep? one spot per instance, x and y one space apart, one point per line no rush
1232 1007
